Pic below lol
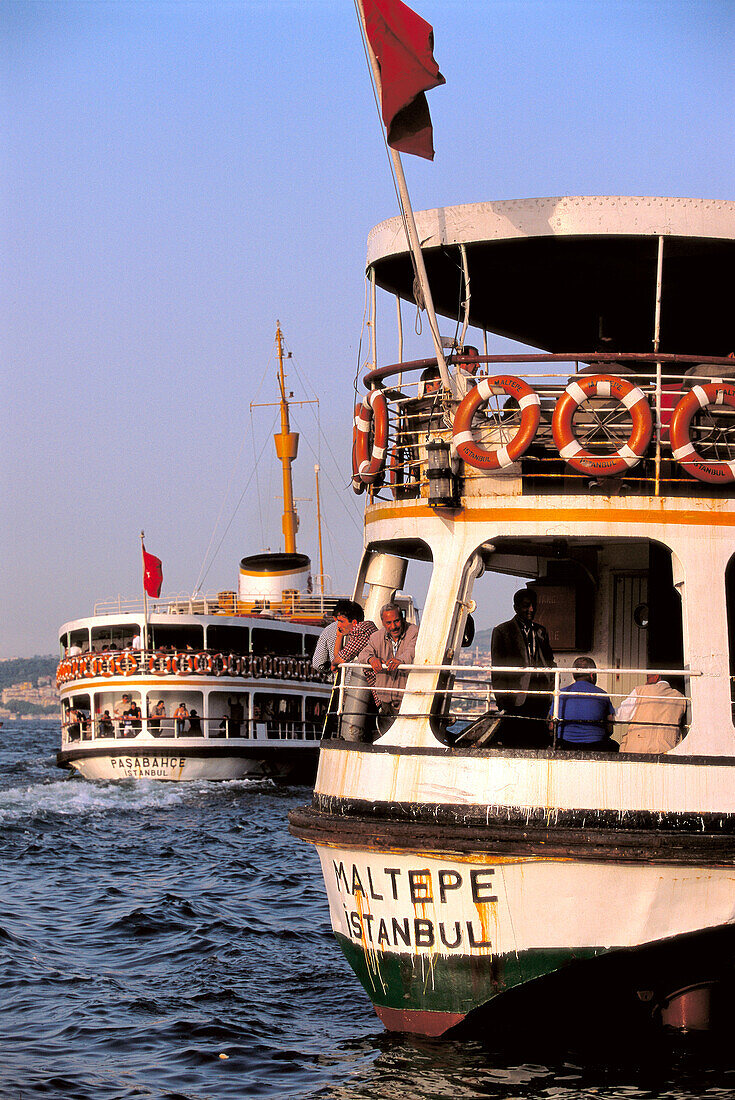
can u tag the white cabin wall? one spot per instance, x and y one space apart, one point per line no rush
703 556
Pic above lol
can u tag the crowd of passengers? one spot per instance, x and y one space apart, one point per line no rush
527 717
126 719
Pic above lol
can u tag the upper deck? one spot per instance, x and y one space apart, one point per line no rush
631 289
575 272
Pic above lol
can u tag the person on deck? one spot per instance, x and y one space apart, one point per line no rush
236 718
180 714
324 650
107 728
654 712
135 718
353 632
158 712
120 709
523 697
585 715
388 648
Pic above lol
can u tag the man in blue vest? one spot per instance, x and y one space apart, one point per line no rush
585 717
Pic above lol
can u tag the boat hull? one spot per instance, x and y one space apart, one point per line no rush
178 759
439 924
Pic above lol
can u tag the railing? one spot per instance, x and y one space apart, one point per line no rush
421 411
163 663
85 729
221 603
465 694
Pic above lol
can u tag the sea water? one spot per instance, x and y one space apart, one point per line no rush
173 940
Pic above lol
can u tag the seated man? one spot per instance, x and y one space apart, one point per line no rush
654 713
393 645
585 713
106 727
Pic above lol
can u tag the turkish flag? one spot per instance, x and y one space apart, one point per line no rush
152 574
403 44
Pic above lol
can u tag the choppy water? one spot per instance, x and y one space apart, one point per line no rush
147 930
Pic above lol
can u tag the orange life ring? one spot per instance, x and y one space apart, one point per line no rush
218 664
171 664
477 398
203 664
98 665
629 453
128 664
185 663
373 412
358 486
699 397
234 664
256 667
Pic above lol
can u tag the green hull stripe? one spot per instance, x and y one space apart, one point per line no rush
451 983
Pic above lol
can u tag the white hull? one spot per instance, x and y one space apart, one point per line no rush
499 905
185 759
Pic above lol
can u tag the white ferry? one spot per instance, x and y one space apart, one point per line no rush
471 882
212 687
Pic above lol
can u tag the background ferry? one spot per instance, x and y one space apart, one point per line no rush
212 687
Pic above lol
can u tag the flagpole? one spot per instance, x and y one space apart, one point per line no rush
145 597
413 237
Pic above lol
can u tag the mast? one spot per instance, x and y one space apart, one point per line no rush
287 445
319 530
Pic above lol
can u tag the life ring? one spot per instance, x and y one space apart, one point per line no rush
97 666
629 453
203 664
172 664
256 667
373 412
218 664
477 398
185 663
358 485
129 664
234 664
699 397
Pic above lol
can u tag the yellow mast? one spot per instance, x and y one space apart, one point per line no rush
287 446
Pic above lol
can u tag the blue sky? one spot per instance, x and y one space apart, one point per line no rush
177 176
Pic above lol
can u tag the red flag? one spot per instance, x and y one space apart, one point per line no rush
152 574
403 44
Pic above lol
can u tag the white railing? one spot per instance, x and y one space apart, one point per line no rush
478 679
216 604
210 729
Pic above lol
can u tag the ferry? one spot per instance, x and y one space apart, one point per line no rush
214 686
474 879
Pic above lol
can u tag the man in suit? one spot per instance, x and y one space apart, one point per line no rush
523 643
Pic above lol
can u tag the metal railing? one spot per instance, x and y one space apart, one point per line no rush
465 686
220 603
218 728
601 424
